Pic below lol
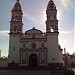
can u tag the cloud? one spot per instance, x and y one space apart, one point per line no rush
63 6
67 4
64 32
4 33
66 39
28 16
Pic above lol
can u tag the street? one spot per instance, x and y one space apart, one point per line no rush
26 72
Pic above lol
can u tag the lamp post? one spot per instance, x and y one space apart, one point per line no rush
0 53
66 62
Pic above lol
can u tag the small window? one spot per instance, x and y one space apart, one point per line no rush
51 29
33 35
12 18
24 44
42 44
33 45
15 17
15 28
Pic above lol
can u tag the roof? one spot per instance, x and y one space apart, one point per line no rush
33 31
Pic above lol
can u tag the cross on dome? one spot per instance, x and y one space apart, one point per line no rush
51 0
17 0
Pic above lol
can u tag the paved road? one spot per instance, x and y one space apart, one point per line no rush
26 72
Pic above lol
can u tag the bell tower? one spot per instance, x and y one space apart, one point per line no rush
55 59
51 22
16 24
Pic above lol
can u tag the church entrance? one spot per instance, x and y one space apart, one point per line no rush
33 60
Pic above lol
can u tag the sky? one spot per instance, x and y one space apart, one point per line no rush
34 14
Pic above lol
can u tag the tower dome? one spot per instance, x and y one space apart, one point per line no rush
17 6
51 5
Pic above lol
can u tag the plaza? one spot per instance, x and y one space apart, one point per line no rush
28 72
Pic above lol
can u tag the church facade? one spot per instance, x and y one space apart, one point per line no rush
34 48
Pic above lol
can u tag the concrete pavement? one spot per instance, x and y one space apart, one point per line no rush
27 72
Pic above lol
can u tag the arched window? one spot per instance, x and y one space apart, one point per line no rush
33 45
51 29
24 45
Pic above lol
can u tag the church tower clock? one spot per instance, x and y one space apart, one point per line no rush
55 59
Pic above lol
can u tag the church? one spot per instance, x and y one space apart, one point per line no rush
34 48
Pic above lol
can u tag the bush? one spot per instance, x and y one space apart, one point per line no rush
72 64
68 72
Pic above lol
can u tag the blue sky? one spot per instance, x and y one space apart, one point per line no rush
34 14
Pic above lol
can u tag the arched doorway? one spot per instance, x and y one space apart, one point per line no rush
33 60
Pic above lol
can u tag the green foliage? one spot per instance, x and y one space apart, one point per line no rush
68 72
72 64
